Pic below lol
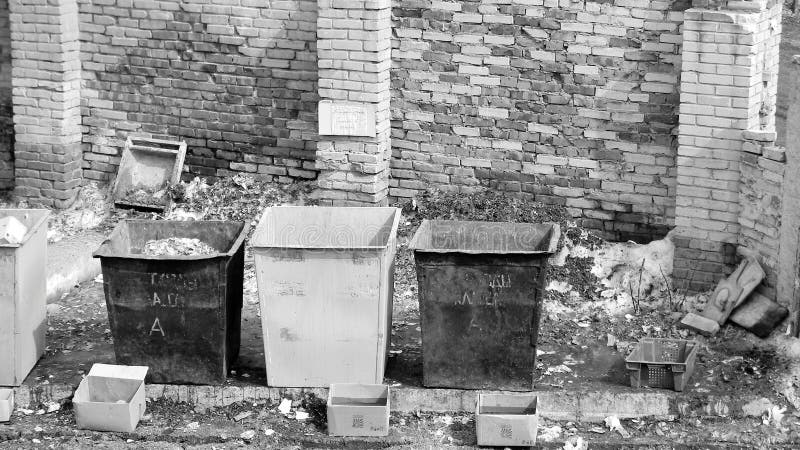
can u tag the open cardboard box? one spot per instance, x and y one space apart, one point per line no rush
6 404
358 410
110 398
507 419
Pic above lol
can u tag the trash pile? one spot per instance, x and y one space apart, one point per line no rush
237 198
12 231
146 196
177 247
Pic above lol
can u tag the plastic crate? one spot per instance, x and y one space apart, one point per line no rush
662 363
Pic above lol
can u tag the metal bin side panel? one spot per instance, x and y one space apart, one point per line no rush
480 319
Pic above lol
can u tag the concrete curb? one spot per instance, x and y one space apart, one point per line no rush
70 262
578 406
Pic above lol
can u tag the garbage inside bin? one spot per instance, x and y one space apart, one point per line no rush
180 315
177 246
325 283
12 231
110 398
480 289
23 294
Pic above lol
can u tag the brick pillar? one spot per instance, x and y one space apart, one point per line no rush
354 60
46 77
728 85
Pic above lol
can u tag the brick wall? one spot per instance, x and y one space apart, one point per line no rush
574 103
728 90
237 79
761 201
6 122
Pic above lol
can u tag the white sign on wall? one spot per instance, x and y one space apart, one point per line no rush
337 118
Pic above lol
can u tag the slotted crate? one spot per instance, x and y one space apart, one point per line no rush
662 363
151 165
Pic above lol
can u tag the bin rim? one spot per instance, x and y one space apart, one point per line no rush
103 252
256 245
552 245
32 229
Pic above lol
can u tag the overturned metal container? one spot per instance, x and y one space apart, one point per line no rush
179 315
480 291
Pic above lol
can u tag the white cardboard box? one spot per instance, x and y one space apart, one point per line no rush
507 419
358 410
6 404
110 398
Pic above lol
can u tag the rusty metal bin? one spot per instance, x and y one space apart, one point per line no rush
179 315
23 297
325 283
480 291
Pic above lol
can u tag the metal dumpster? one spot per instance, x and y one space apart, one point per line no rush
179 315
325 283
480 288
23 297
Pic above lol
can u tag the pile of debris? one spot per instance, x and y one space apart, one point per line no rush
177 247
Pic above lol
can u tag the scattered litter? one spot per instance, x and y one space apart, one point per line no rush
177 247
774 416
52 407
301 416
613 424
550 434
576 443
27 412
597 430
561 287
99 278
561 368
611 340
248 435
285 407
193 426
269 431
38 429
243 415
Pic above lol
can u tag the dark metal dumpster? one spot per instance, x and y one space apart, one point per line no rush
480 288
178 315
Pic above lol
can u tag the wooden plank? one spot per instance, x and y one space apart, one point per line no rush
732 291
759 315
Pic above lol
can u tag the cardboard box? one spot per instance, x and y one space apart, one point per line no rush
110 398
6 404
507 419
358 410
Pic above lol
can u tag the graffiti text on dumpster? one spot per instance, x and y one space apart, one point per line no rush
163 287
496 282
